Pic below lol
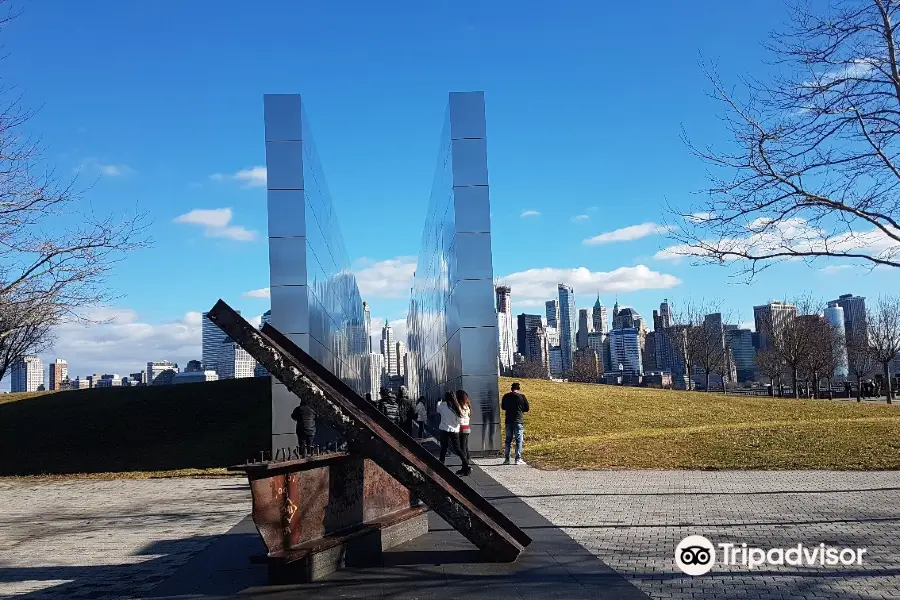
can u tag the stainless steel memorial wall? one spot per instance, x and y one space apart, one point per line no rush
452 321
315 298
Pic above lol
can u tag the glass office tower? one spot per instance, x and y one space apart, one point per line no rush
314 295
452 322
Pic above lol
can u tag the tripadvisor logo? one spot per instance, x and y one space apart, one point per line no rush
696 555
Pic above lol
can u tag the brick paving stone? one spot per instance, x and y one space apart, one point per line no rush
107 539
632 521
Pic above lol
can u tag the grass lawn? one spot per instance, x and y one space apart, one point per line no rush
586 426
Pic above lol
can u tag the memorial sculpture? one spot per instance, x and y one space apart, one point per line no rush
320 512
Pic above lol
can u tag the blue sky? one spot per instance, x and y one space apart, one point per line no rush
159 105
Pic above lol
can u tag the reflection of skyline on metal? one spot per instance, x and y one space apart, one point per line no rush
452 322
314 295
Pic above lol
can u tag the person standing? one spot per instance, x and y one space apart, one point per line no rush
421 415
306 426
465 413
449 411
515 405
406 410
387 405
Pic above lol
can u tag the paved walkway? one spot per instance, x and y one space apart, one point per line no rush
107 539
632 521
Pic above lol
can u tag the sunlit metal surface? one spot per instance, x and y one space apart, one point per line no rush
314 295
452 321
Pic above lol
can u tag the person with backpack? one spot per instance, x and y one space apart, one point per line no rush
306 427
421 415
449 411
387 405
515 405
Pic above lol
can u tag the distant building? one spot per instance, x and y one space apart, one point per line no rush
625 350
556 362
586 366
663 318
213 342
599 342
80 384
59 372
770 320
235 362
834 314
137 379
855 318
161 372
552 313
505 328
27 373
267 318
367 323
585 326
743 353
193 365
567 330
377 374
598 316
108 380
260 371
389 349
525 327
539 349
649 351
552 336
400 349
194 377
660 379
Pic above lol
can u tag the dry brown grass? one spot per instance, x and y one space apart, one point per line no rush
585 426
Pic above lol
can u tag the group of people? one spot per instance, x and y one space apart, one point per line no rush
454 411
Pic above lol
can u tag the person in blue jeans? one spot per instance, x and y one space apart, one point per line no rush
515 405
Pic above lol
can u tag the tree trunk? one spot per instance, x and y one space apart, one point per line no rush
887 380
772 387
796 384
707 382
815 384
858 388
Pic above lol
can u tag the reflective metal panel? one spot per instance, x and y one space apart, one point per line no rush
286 213
315 297
452 323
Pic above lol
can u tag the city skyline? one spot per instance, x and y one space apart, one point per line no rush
199 167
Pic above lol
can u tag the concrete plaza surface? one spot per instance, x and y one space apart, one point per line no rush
182 538
107 539
632 521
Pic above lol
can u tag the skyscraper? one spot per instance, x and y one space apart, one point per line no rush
59 372
539 349
213 342
770 320
376 374
625 351
665 314
552 308
526 326
599 341
27 374
367 316
161 372
600 321
566 325
505 328
266 318
235 362
854 315
584 328
740 341
834 314
388 349
400 349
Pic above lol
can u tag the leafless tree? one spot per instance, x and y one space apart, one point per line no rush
822 349
884 336
531 369
55 253
706 343
29 332
860 360
815 171
770 365
586 366
792 336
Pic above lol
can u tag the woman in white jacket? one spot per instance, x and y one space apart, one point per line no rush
450 413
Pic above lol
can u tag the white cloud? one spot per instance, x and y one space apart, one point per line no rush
835 268
116 340
534 286
251 177
593 208
390 278
530 213
766 236
215 223
580 218
260 293
108 169
627 234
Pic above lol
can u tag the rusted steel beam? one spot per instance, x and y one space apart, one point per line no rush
372 434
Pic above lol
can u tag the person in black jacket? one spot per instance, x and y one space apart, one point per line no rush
306 426
387 404
515 405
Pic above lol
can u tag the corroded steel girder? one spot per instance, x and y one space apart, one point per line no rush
370 433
